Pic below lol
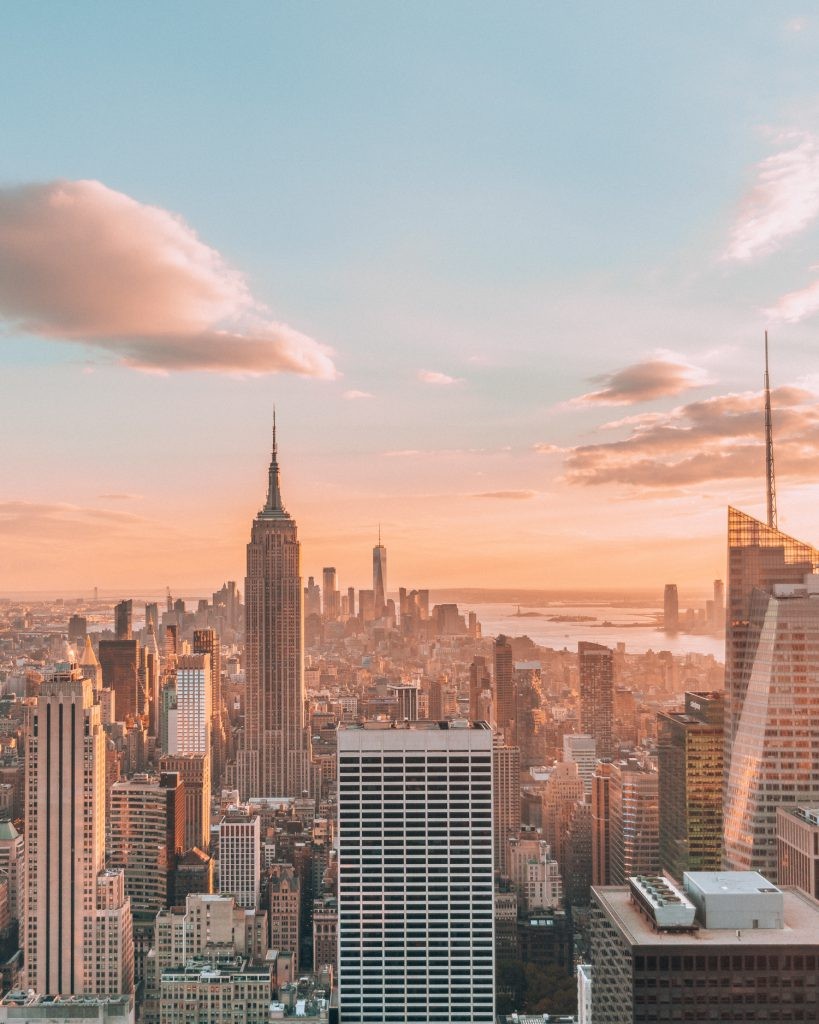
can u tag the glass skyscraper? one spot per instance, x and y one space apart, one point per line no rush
772 687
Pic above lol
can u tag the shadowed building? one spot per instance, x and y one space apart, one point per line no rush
596 667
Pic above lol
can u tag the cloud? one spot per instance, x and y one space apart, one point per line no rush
82 263
434 377
119 496
659 377
797 305
782 202
720 438
58 519
352 395
511 495
544 448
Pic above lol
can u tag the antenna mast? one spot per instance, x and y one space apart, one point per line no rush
769 452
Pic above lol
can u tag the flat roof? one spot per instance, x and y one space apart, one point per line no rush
801 924
736 883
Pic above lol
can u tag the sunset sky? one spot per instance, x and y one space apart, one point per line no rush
504 270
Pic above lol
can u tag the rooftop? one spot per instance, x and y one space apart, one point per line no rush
735 883
801 923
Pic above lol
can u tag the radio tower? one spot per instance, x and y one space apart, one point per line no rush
769 452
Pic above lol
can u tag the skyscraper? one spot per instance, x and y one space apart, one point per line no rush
504 688
634 822
330 593
415 867
690 766
506 799
775 750
119 662
193 706
596 664
380 576
671 608
758 557
145 837
77 928
273 760
123 618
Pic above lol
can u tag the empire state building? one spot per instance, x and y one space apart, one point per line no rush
274 759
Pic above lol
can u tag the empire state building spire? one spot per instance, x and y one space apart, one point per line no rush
273 509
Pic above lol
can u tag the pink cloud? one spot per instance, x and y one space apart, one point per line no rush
782 202
716 439
797 305
507 495
658 377
352 395
434 377
83 263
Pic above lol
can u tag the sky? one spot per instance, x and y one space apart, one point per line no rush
504 270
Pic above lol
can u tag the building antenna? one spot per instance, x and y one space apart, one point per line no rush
769 452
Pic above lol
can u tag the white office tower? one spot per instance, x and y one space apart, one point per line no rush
77 927
190 724
240 857
415 900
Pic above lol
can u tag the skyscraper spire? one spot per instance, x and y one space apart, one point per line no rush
273 509
769 452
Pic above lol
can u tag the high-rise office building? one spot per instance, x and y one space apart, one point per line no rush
479 680
206 641
506 799
274 758
634 821
146 835
775 751
596 666
758 557
505 704
77 927
415 874
690 766
724 946
119 662
240 857
152 615
797 839
312 598
671 608
330 597
718 614
123 620
193 706
601 823
582 750
380 576
407 702
77 629
194 771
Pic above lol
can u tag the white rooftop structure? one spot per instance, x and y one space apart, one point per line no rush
734 899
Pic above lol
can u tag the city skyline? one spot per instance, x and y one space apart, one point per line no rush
444 370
